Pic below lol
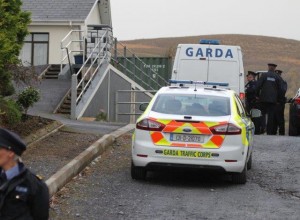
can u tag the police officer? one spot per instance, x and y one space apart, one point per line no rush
268 90
251 99
250 91
279 115
23 196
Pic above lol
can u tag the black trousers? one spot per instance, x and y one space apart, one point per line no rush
279 119
269 113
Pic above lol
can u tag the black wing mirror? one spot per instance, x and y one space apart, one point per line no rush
143 107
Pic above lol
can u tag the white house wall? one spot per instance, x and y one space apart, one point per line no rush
56 34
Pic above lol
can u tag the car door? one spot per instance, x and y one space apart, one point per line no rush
246 120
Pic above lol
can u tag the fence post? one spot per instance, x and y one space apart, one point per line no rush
116 49
73 97
125 60
134 68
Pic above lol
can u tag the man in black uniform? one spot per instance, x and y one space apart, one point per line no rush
23 196
251 99
250 91
268 90
279 115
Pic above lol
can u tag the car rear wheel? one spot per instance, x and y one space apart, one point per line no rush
240 178
138 173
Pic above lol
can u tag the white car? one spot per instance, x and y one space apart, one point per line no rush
199 127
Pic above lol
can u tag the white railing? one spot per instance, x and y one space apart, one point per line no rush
70 46
88 71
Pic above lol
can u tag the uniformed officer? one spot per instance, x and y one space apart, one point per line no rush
250 91
279 115
251 101
23 196
268 90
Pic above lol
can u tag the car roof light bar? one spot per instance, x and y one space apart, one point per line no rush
210 41
172 81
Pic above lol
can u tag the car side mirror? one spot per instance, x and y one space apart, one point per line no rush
255 113
143 107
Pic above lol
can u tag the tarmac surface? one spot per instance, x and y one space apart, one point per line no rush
105 190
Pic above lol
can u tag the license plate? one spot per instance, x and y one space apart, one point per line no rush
185 153
187 138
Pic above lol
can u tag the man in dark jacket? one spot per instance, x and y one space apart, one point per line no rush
23 196
250 91
279 114
268 90
251 101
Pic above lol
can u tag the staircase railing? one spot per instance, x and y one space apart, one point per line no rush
87 72
136 69
71 44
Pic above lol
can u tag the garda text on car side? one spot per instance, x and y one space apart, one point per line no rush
202 126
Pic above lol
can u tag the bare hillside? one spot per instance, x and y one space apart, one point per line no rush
257 50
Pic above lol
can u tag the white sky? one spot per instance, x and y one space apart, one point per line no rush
135 19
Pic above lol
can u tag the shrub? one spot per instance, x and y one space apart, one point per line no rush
27 98
9 112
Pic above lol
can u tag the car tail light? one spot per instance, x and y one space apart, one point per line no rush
150 125
227 129
242 96
297 101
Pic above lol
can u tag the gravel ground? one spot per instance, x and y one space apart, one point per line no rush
52 153
105 190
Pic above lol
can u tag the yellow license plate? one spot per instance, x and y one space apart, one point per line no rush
185 153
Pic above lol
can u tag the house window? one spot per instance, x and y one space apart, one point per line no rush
35 50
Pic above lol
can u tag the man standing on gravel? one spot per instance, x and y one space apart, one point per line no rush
268 90
23 196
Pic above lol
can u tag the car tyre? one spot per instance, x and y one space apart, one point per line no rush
138 173
249 164
240 178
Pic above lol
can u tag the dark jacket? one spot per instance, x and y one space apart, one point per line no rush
283 86
268 88
25 197
250 94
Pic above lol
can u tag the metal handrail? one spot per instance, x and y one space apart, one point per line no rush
124 46
68 45
142 71
82 83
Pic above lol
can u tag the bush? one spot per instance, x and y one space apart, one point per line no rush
27 98
9 112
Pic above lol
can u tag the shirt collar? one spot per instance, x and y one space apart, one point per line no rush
13 172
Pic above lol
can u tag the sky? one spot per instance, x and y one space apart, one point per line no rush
136 19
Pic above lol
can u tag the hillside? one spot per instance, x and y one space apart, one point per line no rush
257 50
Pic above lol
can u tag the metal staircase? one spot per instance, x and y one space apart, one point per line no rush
95 49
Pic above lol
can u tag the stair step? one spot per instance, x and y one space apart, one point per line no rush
65 107
64 111
51 77
51 73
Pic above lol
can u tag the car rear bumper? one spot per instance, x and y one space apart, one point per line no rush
230 159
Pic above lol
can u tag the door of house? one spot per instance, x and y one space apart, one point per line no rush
35 50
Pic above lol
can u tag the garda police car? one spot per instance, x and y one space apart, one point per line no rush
210 61
201 127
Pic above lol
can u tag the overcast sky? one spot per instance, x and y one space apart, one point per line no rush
135 19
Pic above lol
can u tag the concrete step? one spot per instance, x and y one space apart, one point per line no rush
51 77
64 111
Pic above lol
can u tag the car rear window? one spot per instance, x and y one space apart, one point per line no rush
196 105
